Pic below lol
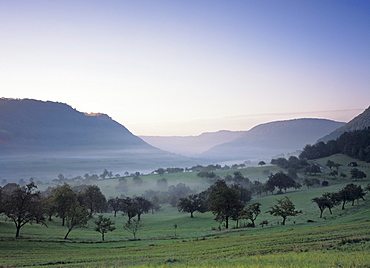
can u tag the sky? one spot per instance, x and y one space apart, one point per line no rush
177 68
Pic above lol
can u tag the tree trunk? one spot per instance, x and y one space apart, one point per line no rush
17 232
283 223
63 220
102 236
191 215
321 211
69 230
227 222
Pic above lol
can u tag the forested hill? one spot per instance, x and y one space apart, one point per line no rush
274 138
360 122
354 143
27 124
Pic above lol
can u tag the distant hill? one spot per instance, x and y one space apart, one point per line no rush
274 138
192 145
360 122
31 125
38 137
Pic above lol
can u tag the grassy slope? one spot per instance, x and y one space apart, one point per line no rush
338 240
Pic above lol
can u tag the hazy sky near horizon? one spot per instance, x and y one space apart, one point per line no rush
187 67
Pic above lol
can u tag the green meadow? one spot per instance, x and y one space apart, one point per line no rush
341 239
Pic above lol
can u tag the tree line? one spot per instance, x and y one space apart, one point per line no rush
226 198
355 144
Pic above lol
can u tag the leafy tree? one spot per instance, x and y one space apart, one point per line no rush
313 169
239 179
323 203
76 217
261 163
357 174
94 199
245 195
224 202
22 205
334 173
251 212
115 204
160 171
281 181
137 180
309 182
192 203
64 199
329 164
104 225
142 205
133 226
129 208
284 208
351 193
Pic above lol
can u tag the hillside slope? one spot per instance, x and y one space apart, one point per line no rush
360 122
192 145
279 137
36 125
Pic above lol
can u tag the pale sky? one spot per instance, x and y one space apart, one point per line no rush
187 67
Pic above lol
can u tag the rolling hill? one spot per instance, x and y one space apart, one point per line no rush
192 145
40 138
274 138
31 125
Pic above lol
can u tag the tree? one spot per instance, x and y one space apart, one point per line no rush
312 169
116 204
64 198
94 199
323 203
350 193
133 226
104 225
142 206
261 163
137 180
357 174
311 182
251 212
281 181
129 208
22 205
334 173
224 202
284 208
160 171
192 203
76 217
329 164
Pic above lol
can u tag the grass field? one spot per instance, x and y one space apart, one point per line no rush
338 240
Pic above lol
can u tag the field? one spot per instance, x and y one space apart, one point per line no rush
338 240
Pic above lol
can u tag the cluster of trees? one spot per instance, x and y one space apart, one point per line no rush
73 205
350 193
227 202
354 144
